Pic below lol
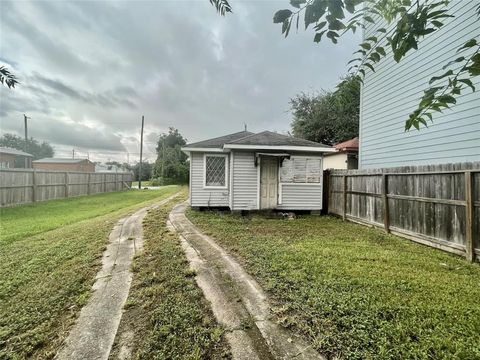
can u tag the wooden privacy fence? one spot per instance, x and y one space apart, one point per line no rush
20 186
436 205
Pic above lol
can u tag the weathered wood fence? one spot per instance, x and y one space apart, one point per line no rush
20 186
436 205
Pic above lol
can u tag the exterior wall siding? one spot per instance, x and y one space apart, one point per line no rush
200 196
245 181
301 197
391 93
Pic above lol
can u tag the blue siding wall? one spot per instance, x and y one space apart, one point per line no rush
394 90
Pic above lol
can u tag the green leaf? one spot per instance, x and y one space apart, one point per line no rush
382 30
369 66
437 23
336 25
332 35
381 51
286 26
460 59
353 60
281 15
297 3
320 25
447 99
435 78
366 46
470 43
318 36
372 38
467 82
369 19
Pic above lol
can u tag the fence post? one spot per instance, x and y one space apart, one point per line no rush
34 186
104 183
88 183
386 212
66 184
344 197
469 245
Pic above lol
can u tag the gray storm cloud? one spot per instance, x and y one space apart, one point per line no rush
89 70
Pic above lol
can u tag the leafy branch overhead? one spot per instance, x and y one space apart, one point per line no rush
7 78
395 25
222 6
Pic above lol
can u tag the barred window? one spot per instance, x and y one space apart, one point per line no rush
215 170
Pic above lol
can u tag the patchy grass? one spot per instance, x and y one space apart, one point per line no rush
26 220
144 183
356 292
46 275
166 315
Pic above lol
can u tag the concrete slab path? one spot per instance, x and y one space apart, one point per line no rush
94 332
237 300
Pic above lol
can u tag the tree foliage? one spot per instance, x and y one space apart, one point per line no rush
400 24
222 6
7 78
34 147
329 117
147 171
171 165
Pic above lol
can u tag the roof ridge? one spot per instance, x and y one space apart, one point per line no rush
245 137
219 137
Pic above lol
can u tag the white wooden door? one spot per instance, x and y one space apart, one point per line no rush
268 182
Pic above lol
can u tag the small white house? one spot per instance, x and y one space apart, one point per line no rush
247 171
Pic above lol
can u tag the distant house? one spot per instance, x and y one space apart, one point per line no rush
394 90
13 158
345 157
61 164
247 171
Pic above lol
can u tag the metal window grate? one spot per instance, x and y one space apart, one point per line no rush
215 171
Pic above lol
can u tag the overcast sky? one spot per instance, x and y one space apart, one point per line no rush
90 70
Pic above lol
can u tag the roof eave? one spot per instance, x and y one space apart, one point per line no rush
188 150
281 147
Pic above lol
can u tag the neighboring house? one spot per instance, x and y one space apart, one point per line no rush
247 171
108 168
393 91
60 164
13 158
345 156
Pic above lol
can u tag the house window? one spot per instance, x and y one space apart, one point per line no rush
216 171
301 170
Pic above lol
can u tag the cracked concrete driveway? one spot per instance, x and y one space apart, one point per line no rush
94 332
238 302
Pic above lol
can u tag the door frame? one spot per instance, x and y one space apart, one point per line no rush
259 190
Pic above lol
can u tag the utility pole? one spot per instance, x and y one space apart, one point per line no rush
73 153
25 118
141 153
25 148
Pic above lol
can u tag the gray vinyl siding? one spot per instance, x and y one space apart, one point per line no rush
245 181
199 196
301 197
391 93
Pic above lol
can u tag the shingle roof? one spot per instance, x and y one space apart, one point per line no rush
270 138
219 141
10 151
349 145
59 160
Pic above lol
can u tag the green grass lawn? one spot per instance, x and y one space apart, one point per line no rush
356 292
166 312
21 221
49 255
144 183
